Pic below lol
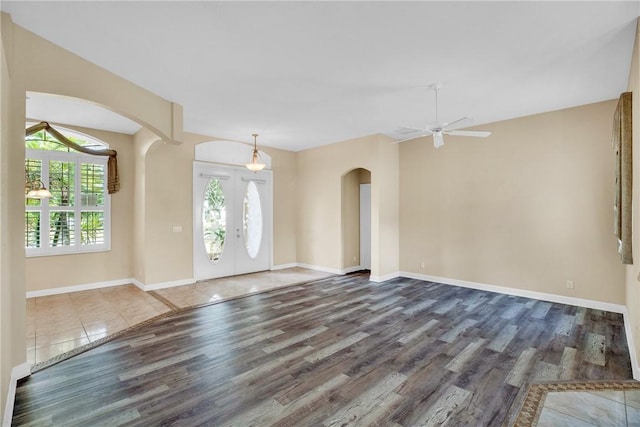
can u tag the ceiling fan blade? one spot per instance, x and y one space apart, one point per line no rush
457 124
477 133
412 137
438 139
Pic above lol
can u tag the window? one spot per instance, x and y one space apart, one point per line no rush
76 218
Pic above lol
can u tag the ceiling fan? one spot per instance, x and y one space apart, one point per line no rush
438 129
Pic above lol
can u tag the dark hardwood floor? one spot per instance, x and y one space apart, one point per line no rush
336 352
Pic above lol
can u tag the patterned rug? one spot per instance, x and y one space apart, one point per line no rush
533 402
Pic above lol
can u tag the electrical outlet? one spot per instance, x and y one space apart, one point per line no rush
569 284
422 264
355 258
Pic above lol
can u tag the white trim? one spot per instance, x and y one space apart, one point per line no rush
77 288
632 348
580 302
283 266
271 216
351 269
325 269
119 282
138 283
384 277
44 208
318 268
17 373
164 285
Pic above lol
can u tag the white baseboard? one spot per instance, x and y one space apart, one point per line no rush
327 269
17 373
98 285
138 284
283 266
164 285
318 268
351 269
580 302
384 277
78 288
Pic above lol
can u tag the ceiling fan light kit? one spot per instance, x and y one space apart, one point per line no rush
439 129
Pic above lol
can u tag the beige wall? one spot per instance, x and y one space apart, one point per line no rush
320 171
319 237
168 182
529 207
385 210
116 264
285 205
72 76
168 194
350 211
12 289
633 271
142 141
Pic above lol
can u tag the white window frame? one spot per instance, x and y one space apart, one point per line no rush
77 158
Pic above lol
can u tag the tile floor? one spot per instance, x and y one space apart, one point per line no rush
59 323
592 408
229 287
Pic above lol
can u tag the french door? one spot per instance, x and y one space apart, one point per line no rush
232 221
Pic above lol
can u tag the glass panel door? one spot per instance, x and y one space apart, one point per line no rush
214 220
252 220
232 221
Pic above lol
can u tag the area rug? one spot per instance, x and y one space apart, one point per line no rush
533 402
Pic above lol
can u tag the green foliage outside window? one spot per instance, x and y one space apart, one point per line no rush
214 220
64 203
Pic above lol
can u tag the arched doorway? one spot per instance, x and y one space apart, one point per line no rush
356 220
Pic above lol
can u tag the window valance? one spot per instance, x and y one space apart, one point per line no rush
113 183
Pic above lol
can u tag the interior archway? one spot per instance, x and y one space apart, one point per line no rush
352 235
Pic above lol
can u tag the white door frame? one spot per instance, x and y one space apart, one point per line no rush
365 226
227 172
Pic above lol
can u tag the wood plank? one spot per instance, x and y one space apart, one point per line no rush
520 370
317 352
416 333
336 347
459 362
500 342
452 401
279 345
368 406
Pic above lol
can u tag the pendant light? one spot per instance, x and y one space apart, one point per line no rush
255 164
34 188
38 191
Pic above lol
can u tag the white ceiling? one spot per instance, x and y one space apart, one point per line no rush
303 74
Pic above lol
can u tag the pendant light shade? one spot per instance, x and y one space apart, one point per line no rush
255 164
38 191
